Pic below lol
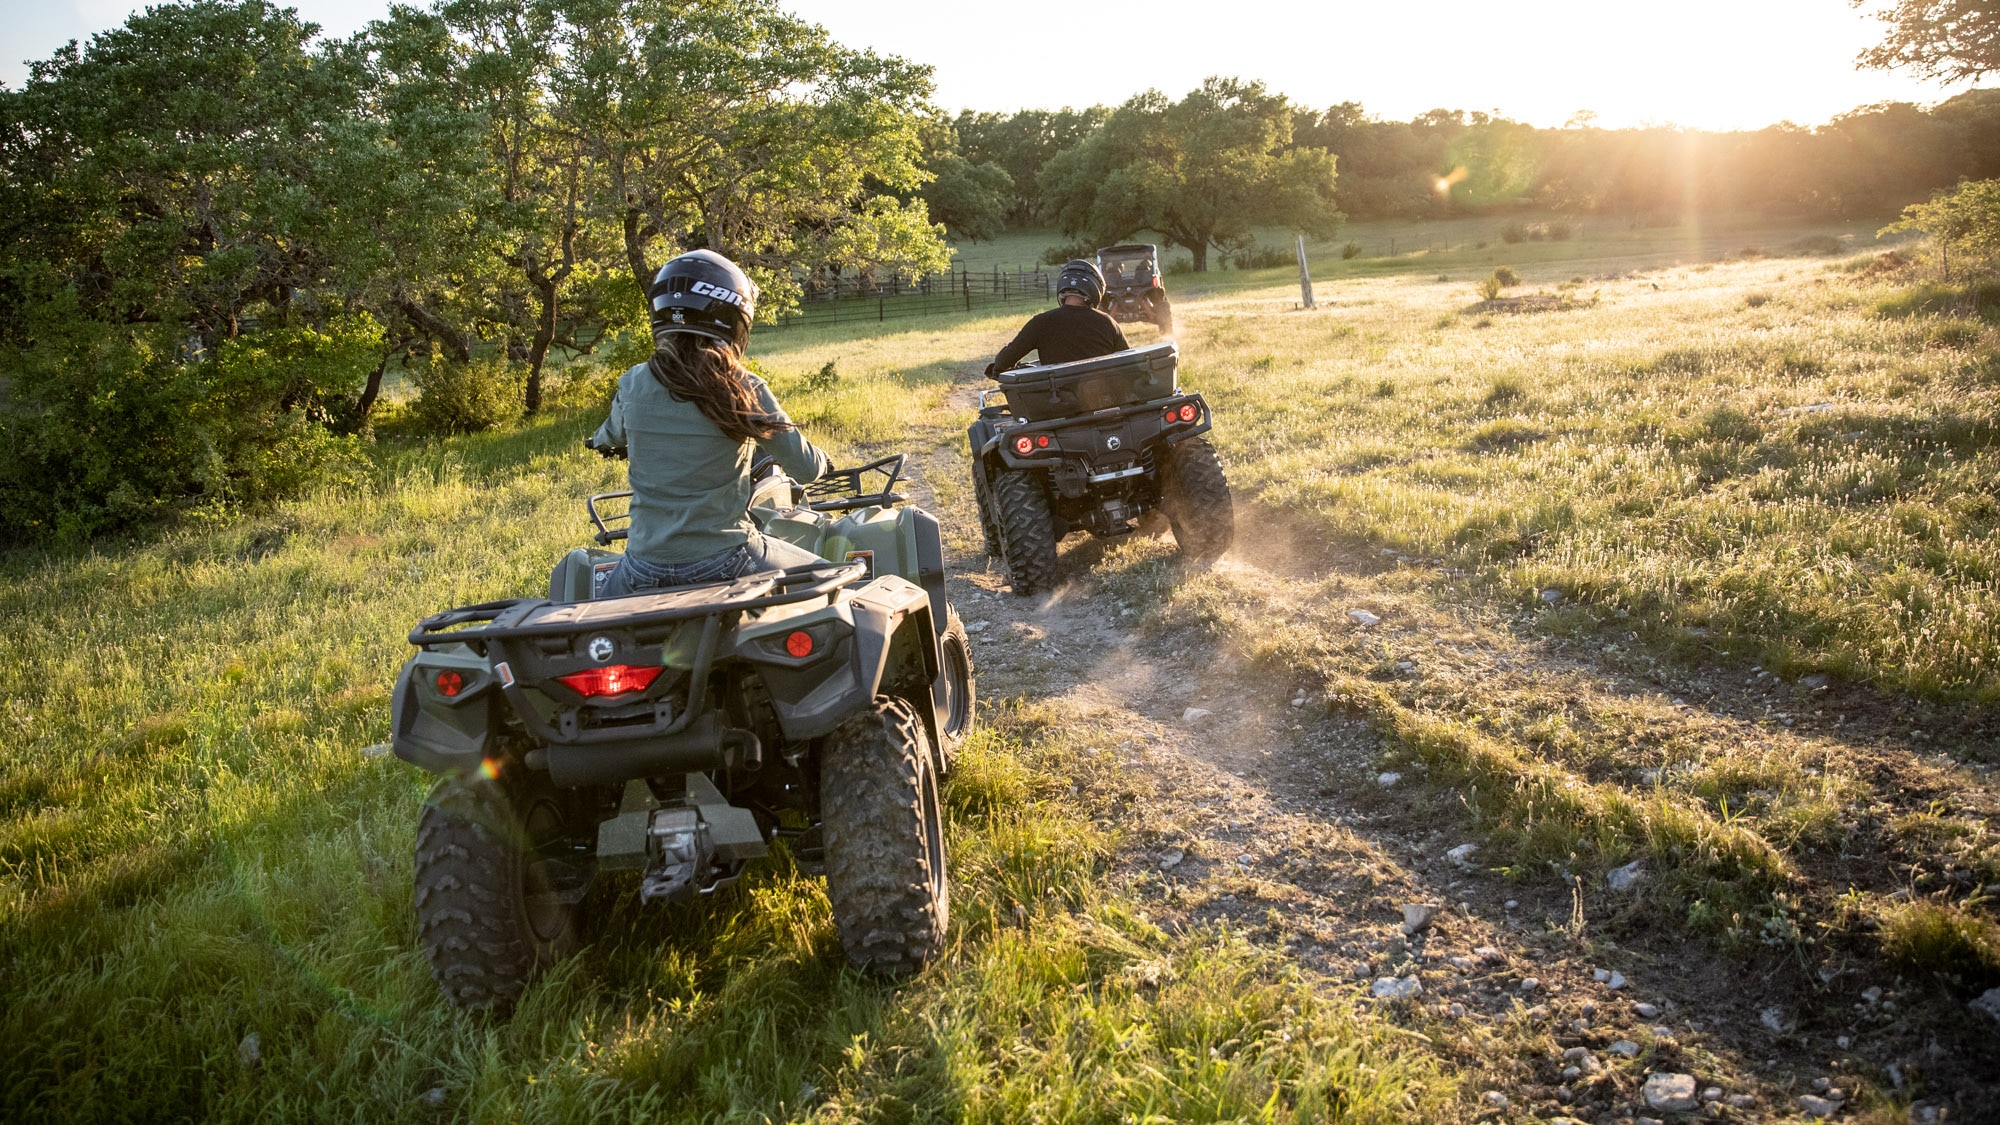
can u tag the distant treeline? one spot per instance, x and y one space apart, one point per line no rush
1870 162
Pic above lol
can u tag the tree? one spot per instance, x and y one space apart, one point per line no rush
1949 40
1201 171
733 125
1966 218
970 200
1021 144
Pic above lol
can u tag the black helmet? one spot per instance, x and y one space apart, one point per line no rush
1081 276
705 293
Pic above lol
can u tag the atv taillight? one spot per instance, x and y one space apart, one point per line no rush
1172 416
1188 412
1024 445
450 683
1042 442
612 679
799 644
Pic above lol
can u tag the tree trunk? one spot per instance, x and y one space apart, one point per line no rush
636 237
437 327
538 348
1200 252
371 390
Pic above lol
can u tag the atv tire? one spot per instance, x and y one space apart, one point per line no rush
955 656
1163 315
1027 531
885 862
1195 495
982 494
491 911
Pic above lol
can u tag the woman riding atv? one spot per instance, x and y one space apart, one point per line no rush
689 418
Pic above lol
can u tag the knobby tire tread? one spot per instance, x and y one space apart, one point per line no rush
1195 494
890 915
470 890
1027 531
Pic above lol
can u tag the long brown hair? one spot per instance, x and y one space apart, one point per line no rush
709 373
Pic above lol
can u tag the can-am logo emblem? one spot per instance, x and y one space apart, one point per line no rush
717 292
600 649
1113 442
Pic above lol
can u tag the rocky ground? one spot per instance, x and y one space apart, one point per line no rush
1255 804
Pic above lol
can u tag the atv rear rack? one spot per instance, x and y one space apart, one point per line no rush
840 490
538 617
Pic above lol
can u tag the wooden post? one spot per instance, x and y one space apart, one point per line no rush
967 282
1305 275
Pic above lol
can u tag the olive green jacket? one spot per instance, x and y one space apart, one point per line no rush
690 484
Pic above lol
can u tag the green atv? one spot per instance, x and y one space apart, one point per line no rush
681 732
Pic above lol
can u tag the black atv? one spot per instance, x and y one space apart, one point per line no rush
1132 288
1097 446
681 732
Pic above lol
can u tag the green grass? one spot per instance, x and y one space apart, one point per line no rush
194 851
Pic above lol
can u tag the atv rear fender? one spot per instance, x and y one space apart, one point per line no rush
866 645
439 733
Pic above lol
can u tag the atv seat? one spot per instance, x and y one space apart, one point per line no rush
1060 390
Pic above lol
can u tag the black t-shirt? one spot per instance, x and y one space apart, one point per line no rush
1064 334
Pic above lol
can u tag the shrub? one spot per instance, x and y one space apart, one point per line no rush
463 398
1506 276
825 379
1965 220
1350 251
1560 231
1081 248
1489 288
1505 389
1757 300
1513 233
1178 264
1255 257
1821 244
1944 938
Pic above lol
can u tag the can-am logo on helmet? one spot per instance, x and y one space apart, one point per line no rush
717 292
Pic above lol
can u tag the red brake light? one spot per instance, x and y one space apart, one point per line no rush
450 683
1188 412
1042 442
799 644
1172 416
1024 445
612 679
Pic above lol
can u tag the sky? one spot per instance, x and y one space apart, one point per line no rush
1713 64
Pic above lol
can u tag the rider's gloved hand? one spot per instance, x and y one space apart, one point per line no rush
612 452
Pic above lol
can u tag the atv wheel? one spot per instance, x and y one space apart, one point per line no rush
1195 495
955 654
885 872
982 494
1163 315
493 907
1027 531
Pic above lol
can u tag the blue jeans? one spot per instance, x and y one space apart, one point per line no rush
635 575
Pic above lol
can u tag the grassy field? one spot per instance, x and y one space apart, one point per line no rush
1610 545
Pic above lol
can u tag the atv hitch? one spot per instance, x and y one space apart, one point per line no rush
679 851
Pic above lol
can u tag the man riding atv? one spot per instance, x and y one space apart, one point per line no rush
1075 329
689 418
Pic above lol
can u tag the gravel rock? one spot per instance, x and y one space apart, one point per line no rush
1462 854
1623 879
1988 1003
1712 1094
250 1051
1417 916
434 1096
1195 714
1529 984
1740 1101
1488 953
1773 1019
1601 975
1363 618
1647 1011
1552 597
1670 1093
1814 682
1815 1106
1171 859
1396 988
1625 1049
1494 1098
1388 778
1575 1053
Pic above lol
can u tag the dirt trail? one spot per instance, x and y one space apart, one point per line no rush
1266 812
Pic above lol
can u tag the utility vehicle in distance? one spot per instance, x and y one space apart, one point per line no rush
680 732
1132 288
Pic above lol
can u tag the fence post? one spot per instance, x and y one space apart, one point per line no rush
881 310
1305 275
966 281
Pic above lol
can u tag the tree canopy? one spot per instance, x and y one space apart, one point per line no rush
1201 171
1950 40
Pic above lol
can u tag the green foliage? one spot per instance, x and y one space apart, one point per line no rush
1350 251
463 398
825 379
1949 40
1946 938
1078 248
1506 276
1201 171
1965 221
1932 298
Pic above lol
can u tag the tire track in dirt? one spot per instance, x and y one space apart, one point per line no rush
1264 814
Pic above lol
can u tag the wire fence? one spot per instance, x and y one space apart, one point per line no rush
843 300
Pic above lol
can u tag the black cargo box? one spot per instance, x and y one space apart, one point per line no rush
1064 389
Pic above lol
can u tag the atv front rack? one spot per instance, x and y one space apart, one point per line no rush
840 490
